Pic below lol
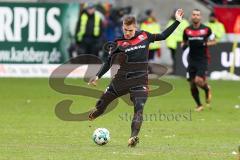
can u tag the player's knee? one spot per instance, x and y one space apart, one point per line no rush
199 81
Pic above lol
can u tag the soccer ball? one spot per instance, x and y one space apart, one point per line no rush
101 136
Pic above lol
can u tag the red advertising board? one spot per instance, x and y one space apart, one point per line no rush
227 15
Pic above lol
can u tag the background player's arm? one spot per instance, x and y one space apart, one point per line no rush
167 32
211 40
211 43
184 43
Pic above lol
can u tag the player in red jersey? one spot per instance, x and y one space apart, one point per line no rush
132 75
198 37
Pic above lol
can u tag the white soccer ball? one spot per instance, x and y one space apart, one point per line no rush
101 136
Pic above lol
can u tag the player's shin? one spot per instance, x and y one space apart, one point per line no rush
195 95
207 90
136 121
101 105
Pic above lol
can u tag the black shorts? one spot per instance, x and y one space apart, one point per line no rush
196 69
138 90
119 87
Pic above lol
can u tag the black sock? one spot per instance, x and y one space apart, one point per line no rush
138 110
195 95
136 123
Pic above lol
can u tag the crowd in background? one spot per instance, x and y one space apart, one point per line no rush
99 23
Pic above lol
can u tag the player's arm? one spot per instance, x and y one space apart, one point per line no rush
167 32
105 67
184 43
211 40
112 48
211 43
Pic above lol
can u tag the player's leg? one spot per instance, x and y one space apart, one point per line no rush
138 97
195 95
108 96
193 87
201 81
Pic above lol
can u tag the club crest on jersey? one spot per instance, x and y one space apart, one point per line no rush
189 32
141 37
125 44
202 31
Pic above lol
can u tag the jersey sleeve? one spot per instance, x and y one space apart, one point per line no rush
105 67
210 34
166 33
185 38
108 63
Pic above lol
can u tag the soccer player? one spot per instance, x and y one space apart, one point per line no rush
198 37
132 75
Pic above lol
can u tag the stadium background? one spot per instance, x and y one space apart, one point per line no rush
30 128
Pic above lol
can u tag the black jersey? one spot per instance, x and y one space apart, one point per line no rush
134 52
197 39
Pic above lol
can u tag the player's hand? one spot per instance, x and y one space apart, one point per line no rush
179 15
93 81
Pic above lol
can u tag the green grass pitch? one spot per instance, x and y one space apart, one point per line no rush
30 130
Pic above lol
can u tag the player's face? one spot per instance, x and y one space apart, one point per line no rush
196 17
129 30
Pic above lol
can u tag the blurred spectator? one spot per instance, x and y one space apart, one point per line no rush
175 37
110 26
113 23
88 32
114 28
151 25
217 27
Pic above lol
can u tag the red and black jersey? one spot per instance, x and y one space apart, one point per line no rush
196 39
135 50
